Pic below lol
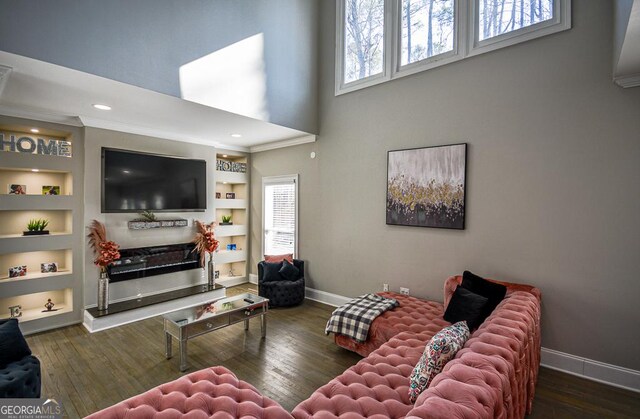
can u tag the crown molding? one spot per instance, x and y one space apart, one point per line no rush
4 76
631 80
283 143
39 115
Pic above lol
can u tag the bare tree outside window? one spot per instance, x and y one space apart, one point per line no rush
364 40
383 40
502 16
427 29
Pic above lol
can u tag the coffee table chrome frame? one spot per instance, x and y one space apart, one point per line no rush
191 330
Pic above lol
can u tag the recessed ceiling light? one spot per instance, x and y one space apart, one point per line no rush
35 170
126 171
224 155
224 183
102 107
236 135
35 130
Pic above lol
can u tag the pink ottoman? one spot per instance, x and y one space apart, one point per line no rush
210 393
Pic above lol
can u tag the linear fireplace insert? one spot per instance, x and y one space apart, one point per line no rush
141 262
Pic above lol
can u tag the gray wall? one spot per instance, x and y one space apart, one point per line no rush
116 224
553 192
144 42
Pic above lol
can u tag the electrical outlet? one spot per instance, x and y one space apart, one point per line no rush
404 291
385 287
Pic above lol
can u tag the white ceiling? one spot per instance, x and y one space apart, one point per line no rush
43 91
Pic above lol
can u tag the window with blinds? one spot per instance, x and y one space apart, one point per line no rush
279 212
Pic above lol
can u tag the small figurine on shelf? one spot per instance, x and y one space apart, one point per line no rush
49 305
15 311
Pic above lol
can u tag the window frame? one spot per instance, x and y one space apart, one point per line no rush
281 180
560 22
341 40
436 60
466 41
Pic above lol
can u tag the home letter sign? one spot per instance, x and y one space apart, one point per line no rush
29 145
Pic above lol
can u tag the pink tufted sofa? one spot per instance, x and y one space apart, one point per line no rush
493 376
210 393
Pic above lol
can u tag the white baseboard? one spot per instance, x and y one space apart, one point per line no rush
593 370
253 278
587 368
327 298
232 281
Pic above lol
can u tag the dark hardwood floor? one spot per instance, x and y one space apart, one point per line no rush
88 372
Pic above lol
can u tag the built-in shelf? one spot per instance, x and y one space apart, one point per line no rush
15 287
230 256
37 173
37 313
24 161
37 275
40 202
232 230
231 203
236 185
231 177
33 304
17 243
40 236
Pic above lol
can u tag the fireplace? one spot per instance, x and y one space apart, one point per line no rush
142 262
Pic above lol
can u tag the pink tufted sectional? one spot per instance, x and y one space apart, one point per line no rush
210 393
493 376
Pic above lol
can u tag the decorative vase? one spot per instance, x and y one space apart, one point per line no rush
103 291
211 272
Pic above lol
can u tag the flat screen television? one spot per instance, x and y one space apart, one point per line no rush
134 182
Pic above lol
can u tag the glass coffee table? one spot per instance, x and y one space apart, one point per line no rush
190 322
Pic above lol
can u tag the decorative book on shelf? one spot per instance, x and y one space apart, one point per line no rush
145 225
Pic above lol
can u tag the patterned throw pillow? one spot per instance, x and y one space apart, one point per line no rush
442 347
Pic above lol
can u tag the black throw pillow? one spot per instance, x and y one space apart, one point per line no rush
270 272
289 271
468 306
476 284
13 346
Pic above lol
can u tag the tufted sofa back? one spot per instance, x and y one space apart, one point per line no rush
494 375
452 283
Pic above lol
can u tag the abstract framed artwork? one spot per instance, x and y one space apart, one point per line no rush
426 187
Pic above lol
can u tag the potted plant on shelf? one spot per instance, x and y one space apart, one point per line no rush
206 242
226 220
106 252
36 227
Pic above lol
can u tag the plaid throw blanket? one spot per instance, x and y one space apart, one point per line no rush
354 318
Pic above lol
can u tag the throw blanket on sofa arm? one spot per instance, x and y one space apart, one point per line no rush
354 318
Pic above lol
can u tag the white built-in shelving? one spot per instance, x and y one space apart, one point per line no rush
64 244
232 264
